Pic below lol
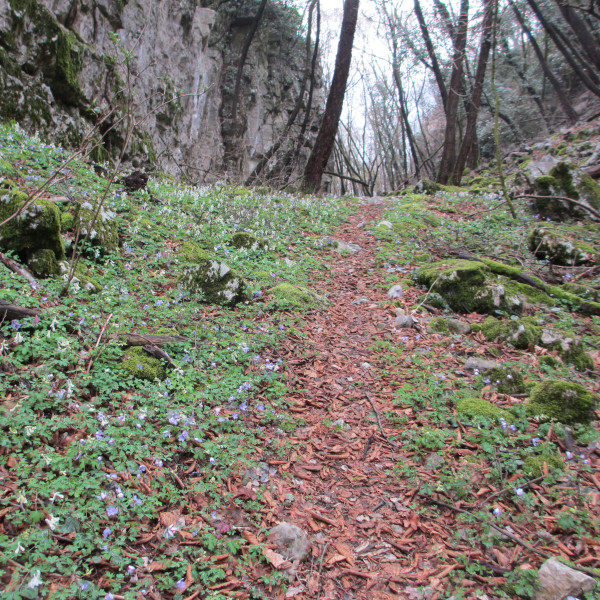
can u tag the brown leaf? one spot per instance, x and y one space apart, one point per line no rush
336 558
274 558
157 566
170 518
189 578
250 538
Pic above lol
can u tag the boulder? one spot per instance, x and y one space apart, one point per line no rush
248 241
404 322
556 581
447 326
339 246
564 401
480 364
559 248
103 227
34 234
521 333
569 347
214 279
470 286
566 180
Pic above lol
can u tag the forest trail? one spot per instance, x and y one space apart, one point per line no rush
335 483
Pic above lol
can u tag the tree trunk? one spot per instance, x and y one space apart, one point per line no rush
562 98
435 67
475 98
449 149
317 161
585 37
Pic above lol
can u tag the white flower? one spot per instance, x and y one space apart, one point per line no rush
55 496
52 522
36 580
29 429
18 339
19 548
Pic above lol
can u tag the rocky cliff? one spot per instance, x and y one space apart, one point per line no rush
68 67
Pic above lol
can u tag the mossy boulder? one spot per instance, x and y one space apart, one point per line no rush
211 277
478 407
569 346
297 296
534 465
448 326
248 241
469 286
565 181
521 333
547 360
564 401
103 228
140 364
67 221
506 380
37 228
560 249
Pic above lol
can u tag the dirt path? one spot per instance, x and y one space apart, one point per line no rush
367 542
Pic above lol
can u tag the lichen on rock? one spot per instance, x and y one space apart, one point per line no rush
242 239
562 400
521 333
569 346
560 249
101 229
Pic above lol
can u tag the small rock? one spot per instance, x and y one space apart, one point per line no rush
433 462
457 326
291 541
259 474
360 301
557 580
385 224
400 312
365 365
405 322
395 292
361 225
341 424
294 591
480 364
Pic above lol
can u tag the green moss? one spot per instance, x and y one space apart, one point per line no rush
506 380
193 253
104 233
143 366
66 221
521 333
297 296
100 155
534 465
246 240
531 294
439 325
43 263
562 173
547 360
590 190
562 400
36 228
478 407
569 347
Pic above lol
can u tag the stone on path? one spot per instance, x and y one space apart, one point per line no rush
404 322
557 581
396 292
291 541
480 364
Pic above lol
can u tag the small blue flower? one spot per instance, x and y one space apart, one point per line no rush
112 511
16 324
181 584
106 533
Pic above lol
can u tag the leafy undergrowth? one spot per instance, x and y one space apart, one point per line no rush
113 484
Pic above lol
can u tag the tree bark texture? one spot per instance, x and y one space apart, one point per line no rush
317 161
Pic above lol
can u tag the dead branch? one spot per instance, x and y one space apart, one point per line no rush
134 339
10 311
589 209
15 267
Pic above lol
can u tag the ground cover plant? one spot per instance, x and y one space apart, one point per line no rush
114 479
414 468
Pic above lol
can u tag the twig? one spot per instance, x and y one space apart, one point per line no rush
321 569
90 362
15 267
367 448
509 535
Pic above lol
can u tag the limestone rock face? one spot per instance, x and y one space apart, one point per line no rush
63 66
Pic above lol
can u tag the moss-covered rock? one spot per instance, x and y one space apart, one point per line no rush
140 364
506 380
246 240
469 286
562 400
521 333
478 407
565 181
297 296
448 326
569 346
43 263
534 465
214 279
67 221
560 249
35 229
547 360
103 229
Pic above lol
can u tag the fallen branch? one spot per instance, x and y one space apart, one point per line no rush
10 311
15 267
507 534
385 437
91 361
